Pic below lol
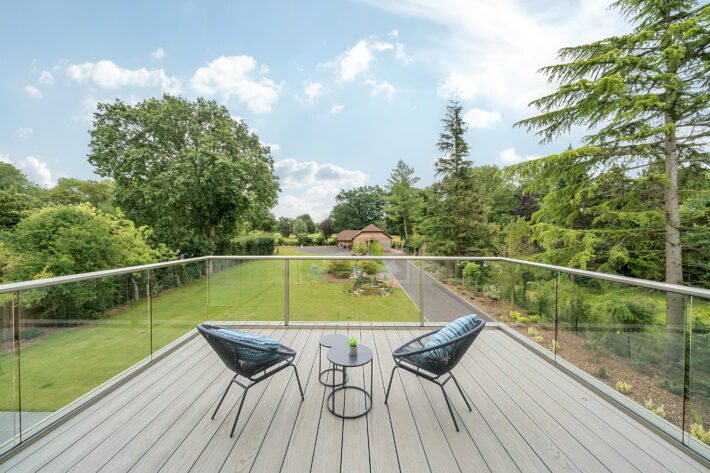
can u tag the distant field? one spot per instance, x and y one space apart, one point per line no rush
61 367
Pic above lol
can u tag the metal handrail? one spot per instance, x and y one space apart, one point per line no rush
661 286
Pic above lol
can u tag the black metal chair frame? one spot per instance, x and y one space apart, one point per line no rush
410 360
283 359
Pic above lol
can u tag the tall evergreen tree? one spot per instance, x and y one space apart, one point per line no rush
403 201
645 96
456 214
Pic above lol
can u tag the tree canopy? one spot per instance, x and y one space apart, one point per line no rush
185 168
356 208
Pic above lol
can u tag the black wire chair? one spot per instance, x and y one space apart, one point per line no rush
435 361
247 360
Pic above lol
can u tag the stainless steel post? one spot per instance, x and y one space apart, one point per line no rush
285 292
421 293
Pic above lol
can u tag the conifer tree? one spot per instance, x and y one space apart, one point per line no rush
403 201
644 96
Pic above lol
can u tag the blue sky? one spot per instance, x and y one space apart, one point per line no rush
341 90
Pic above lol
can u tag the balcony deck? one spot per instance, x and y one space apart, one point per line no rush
527 416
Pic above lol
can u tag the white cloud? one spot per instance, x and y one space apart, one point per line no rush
394 33
232 76
158 53
509 40
510 156
46 78
237 118
311 187
5 158
274 147
33 92
36 171
108 75
384 88
294 174
400 54
337 108
355 61
477 118
23 132
313 90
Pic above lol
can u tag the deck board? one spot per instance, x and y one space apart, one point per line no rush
527 416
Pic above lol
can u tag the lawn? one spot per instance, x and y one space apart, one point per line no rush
61 367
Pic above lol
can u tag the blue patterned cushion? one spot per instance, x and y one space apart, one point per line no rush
260 341
455 329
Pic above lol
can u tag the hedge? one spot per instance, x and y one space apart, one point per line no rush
254 245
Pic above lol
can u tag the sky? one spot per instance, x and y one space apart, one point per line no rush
340 90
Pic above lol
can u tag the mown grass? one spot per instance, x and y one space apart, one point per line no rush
63 366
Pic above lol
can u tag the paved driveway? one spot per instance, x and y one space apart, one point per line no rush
440 304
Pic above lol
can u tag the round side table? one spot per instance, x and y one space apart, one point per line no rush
340 356
329 341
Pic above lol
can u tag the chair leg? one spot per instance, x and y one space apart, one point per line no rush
463 395
223 396
298 380
451 411
389 386
241 404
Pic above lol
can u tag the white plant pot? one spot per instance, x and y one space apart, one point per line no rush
353 351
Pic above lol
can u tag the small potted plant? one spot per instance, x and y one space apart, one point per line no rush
353 346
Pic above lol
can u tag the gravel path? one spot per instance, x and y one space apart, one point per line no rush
440 304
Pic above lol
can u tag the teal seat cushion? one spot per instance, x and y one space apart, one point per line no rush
455 329
260 341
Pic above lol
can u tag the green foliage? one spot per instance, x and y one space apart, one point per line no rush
356 208
259 244
185 168
492 291
472 272
352 341
300 227
615 201
63 240
403 200
456 218
339 266
658 410
29 334
369 266
601 372
359 247
310 225
623 388
326 227
285 226
374 248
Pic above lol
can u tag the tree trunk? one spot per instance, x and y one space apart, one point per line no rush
136 292
406 235
675 303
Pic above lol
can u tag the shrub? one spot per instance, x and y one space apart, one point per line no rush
254 245
496 312
523 320
623 388
30 333
533 331
675 388
658 410
335 266
697 430
534 318
601 372
554 346
303 239
491 291
370 267
514 314
538 339
359 248
319 240
375 249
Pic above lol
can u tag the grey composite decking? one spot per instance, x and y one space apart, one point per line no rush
527 416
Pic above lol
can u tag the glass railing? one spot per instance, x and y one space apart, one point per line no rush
643 344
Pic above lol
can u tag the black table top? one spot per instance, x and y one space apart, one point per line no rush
333 339
340 355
